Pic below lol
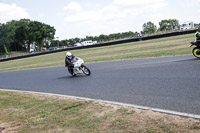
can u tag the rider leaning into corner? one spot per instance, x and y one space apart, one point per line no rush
68 62
197 37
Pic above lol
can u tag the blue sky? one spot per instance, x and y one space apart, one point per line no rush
78 18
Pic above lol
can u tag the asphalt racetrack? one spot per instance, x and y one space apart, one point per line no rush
170 83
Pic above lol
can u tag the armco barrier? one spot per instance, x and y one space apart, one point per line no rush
104 44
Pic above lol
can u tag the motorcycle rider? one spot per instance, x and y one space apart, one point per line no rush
68 62
197 36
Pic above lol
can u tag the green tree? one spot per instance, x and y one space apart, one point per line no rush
48 33
149 28
64 42
22 37
196 25
18 35
54 43
168 25
88 38
76 40
6 38
102 38
41 33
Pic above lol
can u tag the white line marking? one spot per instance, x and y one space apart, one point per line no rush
195 116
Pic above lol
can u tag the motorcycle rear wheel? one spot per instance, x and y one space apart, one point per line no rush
86 70
196 52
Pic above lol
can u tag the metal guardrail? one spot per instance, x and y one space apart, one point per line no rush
104 44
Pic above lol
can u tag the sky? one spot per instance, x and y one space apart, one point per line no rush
81 18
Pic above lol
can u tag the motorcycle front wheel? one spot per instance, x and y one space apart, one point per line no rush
196 52
86 70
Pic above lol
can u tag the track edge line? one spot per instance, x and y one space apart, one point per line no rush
195 116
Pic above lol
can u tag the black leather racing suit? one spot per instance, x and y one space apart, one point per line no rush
198 38
69 64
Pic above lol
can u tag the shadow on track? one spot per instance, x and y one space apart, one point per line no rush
72 77
193 59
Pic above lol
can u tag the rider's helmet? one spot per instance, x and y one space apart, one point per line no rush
69 55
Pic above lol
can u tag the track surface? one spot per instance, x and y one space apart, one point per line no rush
170 83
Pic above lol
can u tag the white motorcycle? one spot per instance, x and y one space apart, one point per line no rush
79 68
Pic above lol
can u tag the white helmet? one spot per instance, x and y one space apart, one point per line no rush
69 55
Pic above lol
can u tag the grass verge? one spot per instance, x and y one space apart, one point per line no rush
20 112
169 46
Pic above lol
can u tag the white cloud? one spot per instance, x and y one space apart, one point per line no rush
119 9
119 16
11 12
81 17
107 14
138 3
73 6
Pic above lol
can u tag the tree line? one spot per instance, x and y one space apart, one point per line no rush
99 39
19 35
165 25
148 28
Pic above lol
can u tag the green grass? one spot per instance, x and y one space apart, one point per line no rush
20 112
169 46
13 54
38 113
